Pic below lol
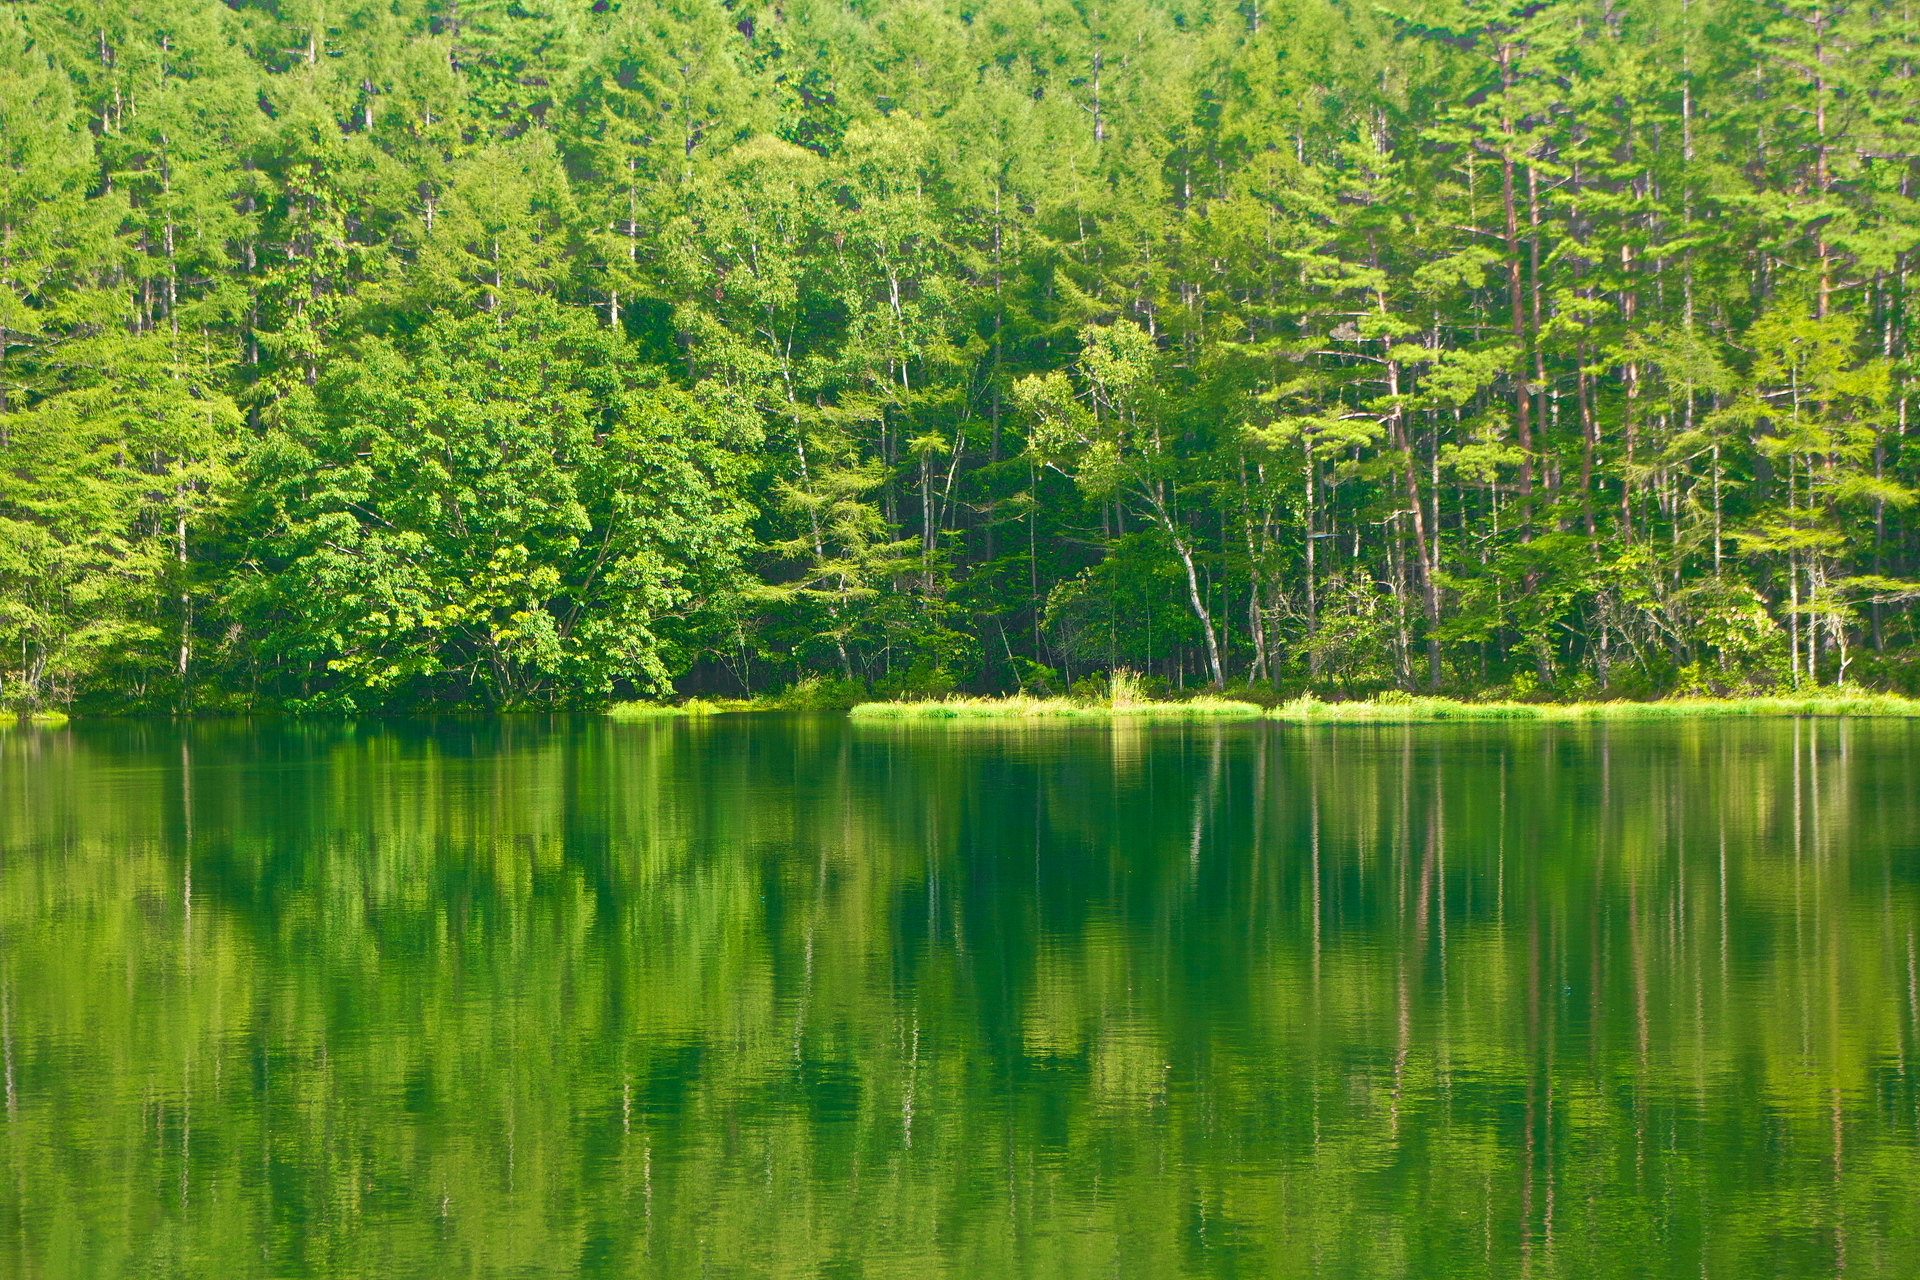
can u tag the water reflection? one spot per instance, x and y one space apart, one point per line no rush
798 996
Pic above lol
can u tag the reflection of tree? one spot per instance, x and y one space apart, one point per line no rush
619 999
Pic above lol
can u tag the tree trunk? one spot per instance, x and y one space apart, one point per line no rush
1198 600
1523 427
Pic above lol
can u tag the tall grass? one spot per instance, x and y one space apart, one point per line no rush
1125 690
1410 710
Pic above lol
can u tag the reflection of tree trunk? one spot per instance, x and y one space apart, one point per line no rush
1533 1039
1642 1033
6 1040
1204 799
1313 838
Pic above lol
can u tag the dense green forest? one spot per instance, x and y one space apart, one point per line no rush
520 353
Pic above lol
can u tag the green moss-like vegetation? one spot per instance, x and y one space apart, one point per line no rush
1410 710
1024 707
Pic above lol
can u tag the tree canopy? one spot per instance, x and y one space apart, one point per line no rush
491 355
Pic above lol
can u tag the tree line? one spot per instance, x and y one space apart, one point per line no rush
487 353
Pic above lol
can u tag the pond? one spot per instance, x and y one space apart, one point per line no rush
797 996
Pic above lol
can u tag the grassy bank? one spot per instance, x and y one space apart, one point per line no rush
39 719
1407 710
812 694
1023 707
1392 709
669 710
696 707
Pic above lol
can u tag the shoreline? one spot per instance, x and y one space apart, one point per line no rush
1417 710
1022 707
1398 710
38 720
1401 709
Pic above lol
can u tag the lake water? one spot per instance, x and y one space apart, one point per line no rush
802 997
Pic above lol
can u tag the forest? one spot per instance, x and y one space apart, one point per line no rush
509 354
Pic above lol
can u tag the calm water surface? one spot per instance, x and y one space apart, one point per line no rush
798 997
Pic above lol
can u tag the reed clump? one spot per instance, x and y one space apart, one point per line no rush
1405 709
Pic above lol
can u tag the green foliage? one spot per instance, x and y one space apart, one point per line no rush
815 693
357 358
499 511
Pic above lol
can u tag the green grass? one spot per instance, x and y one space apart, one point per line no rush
814 693
644 711
1023 707
42 719
691 707
1410 710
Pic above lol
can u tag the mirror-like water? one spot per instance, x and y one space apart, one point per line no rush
765 996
